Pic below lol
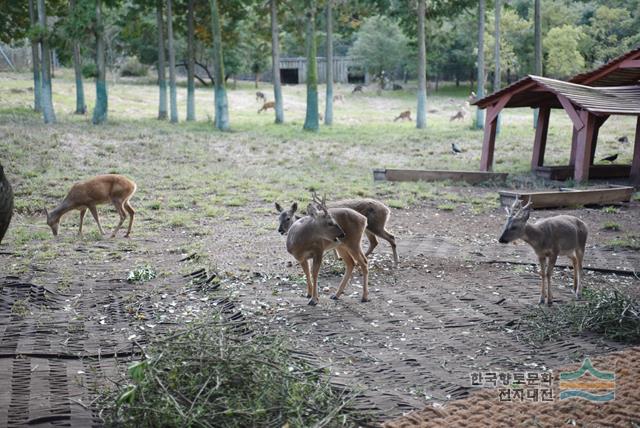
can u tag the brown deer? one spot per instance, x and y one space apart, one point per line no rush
260 96
101 189
376 212
561 235
324 229
405 115
358 88
267 105
338 97
461 113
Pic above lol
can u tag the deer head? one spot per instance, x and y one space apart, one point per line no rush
53 222
286 217
326 225
517 217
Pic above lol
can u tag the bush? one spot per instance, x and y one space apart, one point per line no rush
133 68
89 70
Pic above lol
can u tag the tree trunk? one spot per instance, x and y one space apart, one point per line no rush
47 100
162 78
328 111
421 115
81 107
173 96
102 100
191 88
221 103
257 78
311 118
481 70
35 59
496 54
275 62
538 49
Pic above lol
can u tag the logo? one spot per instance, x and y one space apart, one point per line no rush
589 383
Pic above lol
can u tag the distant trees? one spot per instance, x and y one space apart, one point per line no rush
47 97
173 96
311 116
162 77
275 60
480 63
102 98
220 91
328 111
563 56
35 58
421 115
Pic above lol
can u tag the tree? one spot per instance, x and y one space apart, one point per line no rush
47 99
221 103
611 32
480 65
537 25
496 56
173 97
81 107
421 115
563 56
328 111
311 117
102 98
191 102
275 62
35 58
162 79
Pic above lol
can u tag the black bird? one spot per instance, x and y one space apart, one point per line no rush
624 139
455 148
610 158
6 203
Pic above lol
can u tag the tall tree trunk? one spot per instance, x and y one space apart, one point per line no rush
35 59
81 107
162 77
47 100
311 117
496 56
480 61
328 109
102 99
275 62
421 115
191 58
538 49
221 103
173 96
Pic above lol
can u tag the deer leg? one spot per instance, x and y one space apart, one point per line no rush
362 260
94 213
315 270
543 275
550 265
132 212
307 274
578 274
574 262
83 211
123 216
349 264
373 242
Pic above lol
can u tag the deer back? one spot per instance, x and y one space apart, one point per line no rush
560 234
376 212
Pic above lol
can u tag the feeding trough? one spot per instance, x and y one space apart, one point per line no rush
471 177
569 197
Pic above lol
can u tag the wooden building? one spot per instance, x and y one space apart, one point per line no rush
588 99
345 70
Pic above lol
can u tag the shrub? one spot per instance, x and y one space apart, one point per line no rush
133 68
89 70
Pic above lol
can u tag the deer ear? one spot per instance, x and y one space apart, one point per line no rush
278 207
294 207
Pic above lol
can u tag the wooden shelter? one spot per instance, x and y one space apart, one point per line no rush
588 99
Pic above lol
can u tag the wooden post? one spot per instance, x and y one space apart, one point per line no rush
635 164
540 140
489 142
583 146
574 143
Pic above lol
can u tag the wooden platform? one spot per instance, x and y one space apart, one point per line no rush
569 197
471 177
565 172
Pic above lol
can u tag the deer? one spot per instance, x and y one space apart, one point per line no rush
561 235
6 203
324 229
338 97
405 115
261 96
358 88
98 190
461 113
267 105
376 212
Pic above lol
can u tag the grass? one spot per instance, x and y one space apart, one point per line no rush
611 225
628 242
142 274
610 209
212 375
609 312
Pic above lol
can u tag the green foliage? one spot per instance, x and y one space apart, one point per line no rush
141 274
89 70
563 56
611 225
133 67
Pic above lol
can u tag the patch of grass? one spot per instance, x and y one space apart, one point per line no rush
447 206
141 274
20 308
611 225
610 209
207 375
609 312
629 242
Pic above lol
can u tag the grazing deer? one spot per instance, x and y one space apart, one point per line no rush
338 97
376 212
358 88
562 235
261 96
101 189
325 229
267 105
6 203
405 115
460 114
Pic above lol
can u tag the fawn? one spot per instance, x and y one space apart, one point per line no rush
260 96
562 235
101 189
405 115
267 105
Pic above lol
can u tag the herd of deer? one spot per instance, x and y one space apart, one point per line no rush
339 226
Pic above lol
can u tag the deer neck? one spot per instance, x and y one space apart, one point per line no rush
532 235
60 210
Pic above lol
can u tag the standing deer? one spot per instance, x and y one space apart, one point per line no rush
260 96
325 229
561 235
101 189
405 115
6 203
267 105
376 212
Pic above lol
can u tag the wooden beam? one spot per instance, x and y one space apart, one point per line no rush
471 177
568 197
630 63
600 120
635 164
574 145
571 111
489 142
540 140
583 147
495 109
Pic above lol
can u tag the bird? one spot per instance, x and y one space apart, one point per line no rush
6 203
610 158
624 139
455 148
